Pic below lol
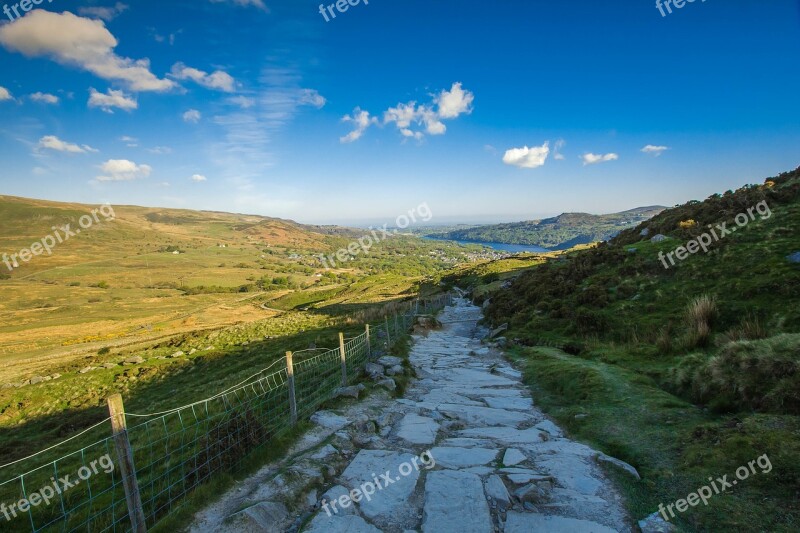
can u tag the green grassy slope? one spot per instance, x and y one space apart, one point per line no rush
686 372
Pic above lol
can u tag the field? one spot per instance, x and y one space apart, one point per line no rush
111 307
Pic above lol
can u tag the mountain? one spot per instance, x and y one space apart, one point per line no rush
557 233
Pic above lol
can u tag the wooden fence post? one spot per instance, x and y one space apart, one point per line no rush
119 428
369 343
292 397
388 337
395 323
343 357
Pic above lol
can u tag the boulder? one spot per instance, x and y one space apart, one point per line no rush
388 384
497 493
389 361
374 371
655 524
659 238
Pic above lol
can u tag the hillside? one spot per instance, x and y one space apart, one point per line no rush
558 233
151 273
686 371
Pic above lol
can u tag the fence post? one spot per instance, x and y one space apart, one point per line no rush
343 358
119 428
388 337
416 312
396 331
292 397
369 344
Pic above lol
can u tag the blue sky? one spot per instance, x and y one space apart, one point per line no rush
499 111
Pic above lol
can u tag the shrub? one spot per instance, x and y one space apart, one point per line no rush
763 375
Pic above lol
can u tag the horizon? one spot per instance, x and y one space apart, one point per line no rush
296 119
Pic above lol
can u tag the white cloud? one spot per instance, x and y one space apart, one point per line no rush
44 98
242 101
244 3
123 170
5 94
218 80
655 150
193 116
561 143
454 102
311 97
160 150
80 42
533 157
198 178
110 100
414 121
592 159
105 13
52 142
128 139
362 122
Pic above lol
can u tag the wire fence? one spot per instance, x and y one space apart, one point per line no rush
133 476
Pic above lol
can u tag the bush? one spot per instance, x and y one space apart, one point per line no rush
763 375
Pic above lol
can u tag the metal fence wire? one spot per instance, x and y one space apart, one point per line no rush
174 452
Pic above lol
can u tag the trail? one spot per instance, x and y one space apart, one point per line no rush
500 465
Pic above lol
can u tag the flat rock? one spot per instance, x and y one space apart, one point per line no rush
513 457
323 523
511 404
463 457
455 501
329 420
332 495
549 427
418 429
497 493
264 517
389 361
527 522
389 500
504 435
484 416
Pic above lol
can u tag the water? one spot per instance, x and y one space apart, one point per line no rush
499 246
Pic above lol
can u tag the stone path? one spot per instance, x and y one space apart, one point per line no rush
465 451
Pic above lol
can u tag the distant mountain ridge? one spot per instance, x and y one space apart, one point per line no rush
557 233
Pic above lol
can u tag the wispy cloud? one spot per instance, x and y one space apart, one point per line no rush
218 80
5 94
560 144
192 116
51 142
105 13
655 150
244 3
593 159
44 98
361 120
198 178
